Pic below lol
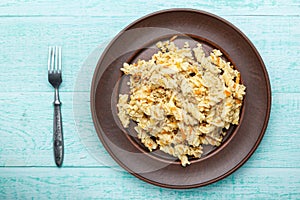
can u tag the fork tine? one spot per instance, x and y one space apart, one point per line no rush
49 59
52 59
59 60
56 59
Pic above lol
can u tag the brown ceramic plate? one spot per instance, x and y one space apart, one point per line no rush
137 41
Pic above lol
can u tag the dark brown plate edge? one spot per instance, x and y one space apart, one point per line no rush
268 111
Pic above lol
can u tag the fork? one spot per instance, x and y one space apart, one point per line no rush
55 78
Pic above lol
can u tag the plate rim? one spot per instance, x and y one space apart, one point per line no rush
265 74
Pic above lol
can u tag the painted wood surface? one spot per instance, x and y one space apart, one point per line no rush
96 183
27 169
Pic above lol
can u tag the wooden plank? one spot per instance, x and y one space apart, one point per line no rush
140 7
105 183
24 41
27 168
26 132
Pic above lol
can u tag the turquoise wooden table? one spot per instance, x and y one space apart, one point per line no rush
27 168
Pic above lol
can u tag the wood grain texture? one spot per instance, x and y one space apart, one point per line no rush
275 37
29 142
106 183
27 169
139 7
272 152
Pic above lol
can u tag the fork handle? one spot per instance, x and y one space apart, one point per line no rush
58 142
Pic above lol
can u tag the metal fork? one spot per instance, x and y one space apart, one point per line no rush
55 78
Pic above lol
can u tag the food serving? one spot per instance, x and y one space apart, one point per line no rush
181 99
